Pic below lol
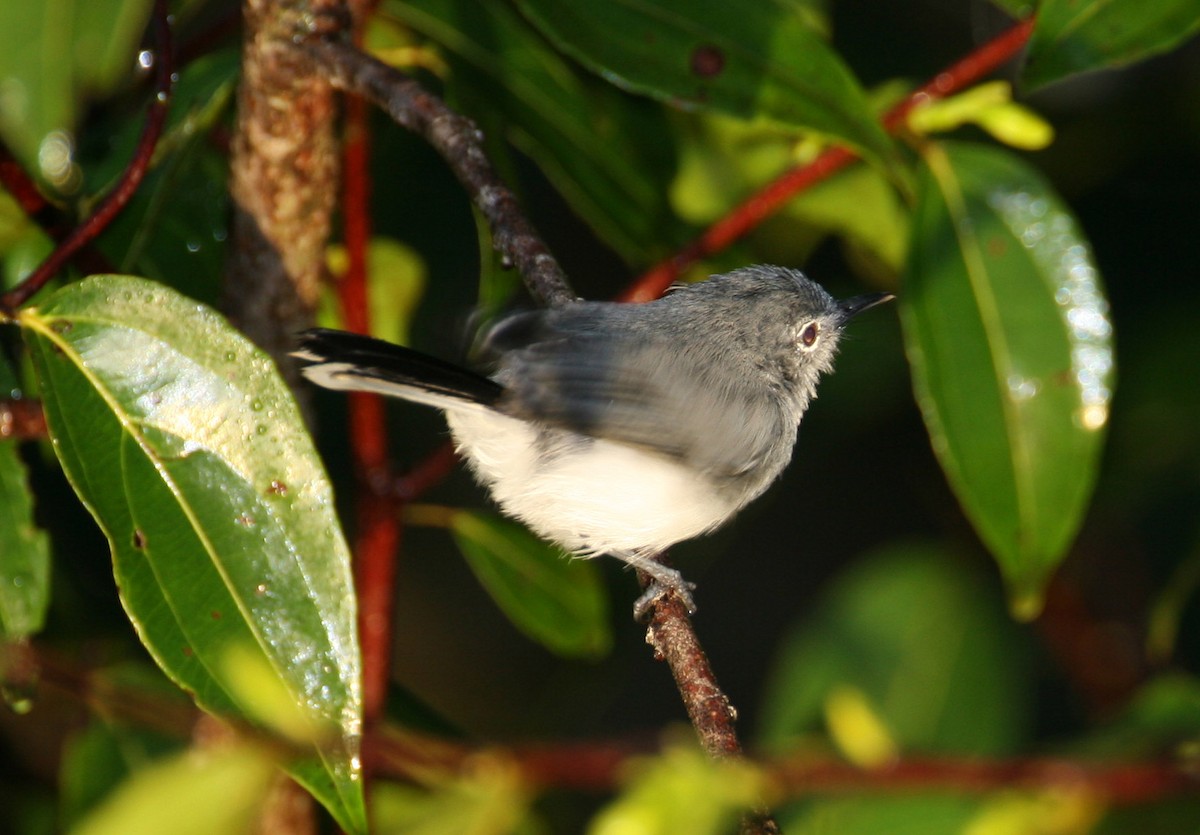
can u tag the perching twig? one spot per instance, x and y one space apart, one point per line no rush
111 206
674 640
457 139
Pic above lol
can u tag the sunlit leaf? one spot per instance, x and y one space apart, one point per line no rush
745 59
396 284
990 106
917 639
489 800
1007 330
556 600
194 793
1073 36
189 451
99 757
682 790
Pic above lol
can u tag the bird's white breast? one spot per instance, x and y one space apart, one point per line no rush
591 496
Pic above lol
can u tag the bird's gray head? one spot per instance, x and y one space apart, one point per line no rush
775 322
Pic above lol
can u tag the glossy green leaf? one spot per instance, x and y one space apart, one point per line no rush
744 59
601 149
186 446
558 601
194 793
24 548
54 55
1073 36
1007 330
927 645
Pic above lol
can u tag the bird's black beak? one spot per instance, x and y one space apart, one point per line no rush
853 306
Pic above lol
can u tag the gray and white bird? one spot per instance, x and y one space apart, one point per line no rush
623 429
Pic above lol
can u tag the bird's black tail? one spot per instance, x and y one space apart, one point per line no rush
350 362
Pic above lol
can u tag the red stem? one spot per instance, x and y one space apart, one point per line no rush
378 523
755 209
135 172
20 185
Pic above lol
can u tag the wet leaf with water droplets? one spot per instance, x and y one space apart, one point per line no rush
1007 329
156 432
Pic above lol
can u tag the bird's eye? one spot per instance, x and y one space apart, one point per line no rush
808 336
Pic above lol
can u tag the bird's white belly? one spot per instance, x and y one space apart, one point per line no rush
591 496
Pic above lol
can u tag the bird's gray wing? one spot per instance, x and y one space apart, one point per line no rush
641 389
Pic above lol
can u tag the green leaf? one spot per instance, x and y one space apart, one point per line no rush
908 814
554 599
175 226
1162 715
188 449
491 799
681 790
1007 330
194 793
24 548
396 276
1073 36
54 56
599 147
101 756
925 643
1019 9
745 59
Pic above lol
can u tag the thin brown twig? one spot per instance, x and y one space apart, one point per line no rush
673 637
48 217
459 142
135 172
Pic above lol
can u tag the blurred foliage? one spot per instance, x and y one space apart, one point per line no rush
1037 233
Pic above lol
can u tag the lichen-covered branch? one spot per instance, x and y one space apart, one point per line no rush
282 179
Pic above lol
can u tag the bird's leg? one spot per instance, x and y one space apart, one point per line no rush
663 580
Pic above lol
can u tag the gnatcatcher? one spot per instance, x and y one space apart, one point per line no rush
623 429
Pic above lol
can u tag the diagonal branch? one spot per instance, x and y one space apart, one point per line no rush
459 142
